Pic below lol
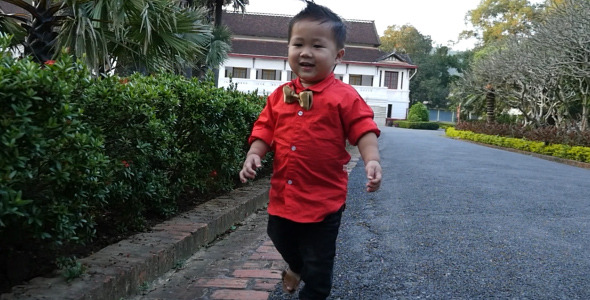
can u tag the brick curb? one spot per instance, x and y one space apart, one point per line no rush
119 270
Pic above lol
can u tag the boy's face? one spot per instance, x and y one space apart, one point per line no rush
312 51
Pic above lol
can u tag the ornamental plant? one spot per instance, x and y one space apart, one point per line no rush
52 163
136 115
418 113
170 138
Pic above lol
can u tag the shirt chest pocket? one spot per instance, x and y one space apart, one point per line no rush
326 126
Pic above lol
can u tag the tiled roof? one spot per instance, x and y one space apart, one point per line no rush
8 8
263 48
266 35
276 27
278 49
362 54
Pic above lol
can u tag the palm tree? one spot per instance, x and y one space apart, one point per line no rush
215 7
136 34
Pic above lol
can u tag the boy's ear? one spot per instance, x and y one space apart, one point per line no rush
339 55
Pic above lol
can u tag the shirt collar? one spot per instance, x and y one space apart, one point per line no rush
316 88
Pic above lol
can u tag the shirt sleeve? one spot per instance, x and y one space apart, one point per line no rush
358 120
265 125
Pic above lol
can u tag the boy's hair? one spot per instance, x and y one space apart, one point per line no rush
322 14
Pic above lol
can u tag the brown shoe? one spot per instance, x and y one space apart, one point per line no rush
290 281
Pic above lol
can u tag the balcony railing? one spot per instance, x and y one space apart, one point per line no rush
376 95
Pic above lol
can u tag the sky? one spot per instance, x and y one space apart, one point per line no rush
442 20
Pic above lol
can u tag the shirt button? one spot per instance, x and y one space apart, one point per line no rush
300 113
293 148
290 181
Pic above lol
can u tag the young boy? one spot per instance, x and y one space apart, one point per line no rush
308 135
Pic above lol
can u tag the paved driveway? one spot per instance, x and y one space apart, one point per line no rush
456 220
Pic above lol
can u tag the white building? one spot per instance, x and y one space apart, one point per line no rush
258 61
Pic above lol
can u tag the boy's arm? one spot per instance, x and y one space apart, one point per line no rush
258 149
369 149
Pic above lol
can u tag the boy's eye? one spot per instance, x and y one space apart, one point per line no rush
318 46
297 44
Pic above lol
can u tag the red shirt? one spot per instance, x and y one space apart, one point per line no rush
309 180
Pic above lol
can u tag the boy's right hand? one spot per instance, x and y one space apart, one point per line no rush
251 163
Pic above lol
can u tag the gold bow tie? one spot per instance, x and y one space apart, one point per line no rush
305 98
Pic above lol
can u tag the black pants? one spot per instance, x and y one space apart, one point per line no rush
309 250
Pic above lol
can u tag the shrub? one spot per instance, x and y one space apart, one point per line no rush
548 135
577 153
80 154
416 125
168 136
137 117
212 129
418 113
52 163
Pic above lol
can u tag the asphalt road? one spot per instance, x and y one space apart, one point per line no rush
456 220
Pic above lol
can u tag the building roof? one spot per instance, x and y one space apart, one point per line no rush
8 9
276 26
265 35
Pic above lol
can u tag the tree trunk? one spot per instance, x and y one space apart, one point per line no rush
218 12
490 105
584 116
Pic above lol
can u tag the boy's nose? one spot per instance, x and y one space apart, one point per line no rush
305 52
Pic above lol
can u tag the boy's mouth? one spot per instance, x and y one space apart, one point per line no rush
306 64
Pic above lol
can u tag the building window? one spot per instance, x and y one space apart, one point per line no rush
364 80
355 79
267 75
236 72
391 80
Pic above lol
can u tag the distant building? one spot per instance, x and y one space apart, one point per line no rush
258 61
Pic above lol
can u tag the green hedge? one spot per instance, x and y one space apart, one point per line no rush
576 153
53 166
167 135
79 152
416 125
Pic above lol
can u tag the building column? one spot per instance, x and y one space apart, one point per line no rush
253 74
377 79
346 78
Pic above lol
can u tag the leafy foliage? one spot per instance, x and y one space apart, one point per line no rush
418 113
543 76
52 163
548 135
146 35
416 125
497 19
433 80
577 153
405 39
81 154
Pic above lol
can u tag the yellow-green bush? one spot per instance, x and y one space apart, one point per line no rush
577 153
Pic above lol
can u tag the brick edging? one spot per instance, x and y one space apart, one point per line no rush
119 270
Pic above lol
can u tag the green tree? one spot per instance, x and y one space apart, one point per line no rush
405 39
215 7
496 19
432 81
153 34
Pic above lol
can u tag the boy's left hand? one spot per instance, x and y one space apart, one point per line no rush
373 170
